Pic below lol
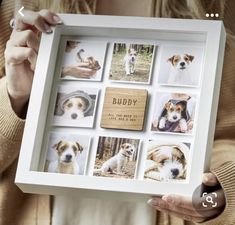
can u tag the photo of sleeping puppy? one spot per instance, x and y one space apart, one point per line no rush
131 62
75 107
66 161
83 60
166 161
67 153
179 72
174 113
181 65
116 157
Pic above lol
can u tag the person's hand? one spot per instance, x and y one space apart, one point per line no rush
79 70
186 209
21 54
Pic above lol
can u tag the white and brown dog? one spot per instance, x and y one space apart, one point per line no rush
66 162
74 107
166 162
174 114
179 73
117 162
130 61
88 62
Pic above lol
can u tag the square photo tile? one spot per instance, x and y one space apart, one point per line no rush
174 113
67 153
83 60
132 63
181 65
75 106
116 157
167 161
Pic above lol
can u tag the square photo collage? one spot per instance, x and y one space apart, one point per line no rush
176 67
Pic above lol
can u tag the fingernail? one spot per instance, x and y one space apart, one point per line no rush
153 202
168 199
48 28
57 20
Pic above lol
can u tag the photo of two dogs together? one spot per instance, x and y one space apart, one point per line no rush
116 157
67 152
131 62
166 161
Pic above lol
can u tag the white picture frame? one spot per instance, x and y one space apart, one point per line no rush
204 34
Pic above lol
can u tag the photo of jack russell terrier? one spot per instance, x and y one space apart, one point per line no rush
116 163
179 70
66 162
166 162
89 62
75 105
130 61
174 114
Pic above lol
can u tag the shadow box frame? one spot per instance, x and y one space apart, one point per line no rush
31 179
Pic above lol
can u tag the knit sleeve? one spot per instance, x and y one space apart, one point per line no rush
11 129
223 166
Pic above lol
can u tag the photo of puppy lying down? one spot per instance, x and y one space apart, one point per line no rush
116 157
67 153
166 161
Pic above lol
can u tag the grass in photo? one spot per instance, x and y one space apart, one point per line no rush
131 62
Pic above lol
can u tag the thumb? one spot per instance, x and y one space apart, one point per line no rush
209 179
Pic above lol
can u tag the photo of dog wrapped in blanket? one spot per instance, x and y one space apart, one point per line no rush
180 66
132 62
166 161
67 153
116 157
174 112
83 60
75 107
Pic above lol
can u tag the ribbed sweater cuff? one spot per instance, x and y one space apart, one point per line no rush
226 177
11 126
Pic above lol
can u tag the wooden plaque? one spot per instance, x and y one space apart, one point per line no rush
124 108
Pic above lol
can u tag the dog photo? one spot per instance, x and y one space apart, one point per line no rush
181 66
75 107
67 153
116 157
132 62
83 60
174 112
166 161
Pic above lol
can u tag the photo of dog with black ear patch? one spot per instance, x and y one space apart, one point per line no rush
67 153
116 157
75 107
166 161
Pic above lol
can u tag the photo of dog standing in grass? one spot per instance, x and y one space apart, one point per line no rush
132 62
116 157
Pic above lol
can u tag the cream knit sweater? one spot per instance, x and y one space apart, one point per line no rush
17 208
